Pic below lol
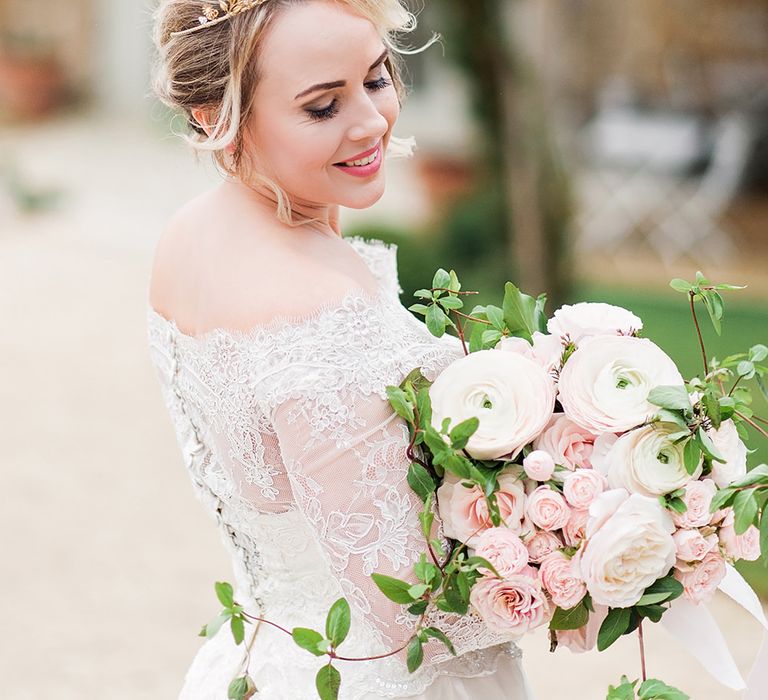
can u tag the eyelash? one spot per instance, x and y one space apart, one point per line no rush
333 109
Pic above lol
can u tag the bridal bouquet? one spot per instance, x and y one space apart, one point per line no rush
582 483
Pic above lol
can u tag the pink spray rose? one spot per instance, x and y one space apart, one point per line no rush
504 549
464 511
562 580
691 545
698 497
583 486
745 546
569 444
542 544
584 638
539 465
514 605
547 509
573 532
701 581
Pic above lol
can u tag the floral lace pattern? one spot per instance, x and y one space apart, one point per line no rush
292 447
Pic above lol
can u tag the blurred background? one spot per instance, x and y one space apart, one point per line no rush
587 148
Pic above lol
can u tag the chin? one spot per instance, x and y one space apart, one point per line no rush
362 200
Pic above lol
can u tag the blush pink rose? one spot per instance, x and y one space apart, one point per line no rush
569 444
514 605
698 497
539 465
546 350
745 546
584 638
583 486
464 511
701 581
691 545
576 527
562 581
586 319
541 545
547 509
502 548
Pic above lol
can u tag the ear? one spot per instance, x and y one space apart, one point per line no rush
203 117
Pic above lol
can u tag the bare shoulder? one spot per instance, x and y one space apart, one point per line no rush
219 265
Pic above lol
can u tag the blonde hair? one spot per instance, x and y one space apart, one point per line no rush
216 69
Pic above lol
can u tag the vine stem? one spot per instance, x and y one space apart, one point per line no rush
642 650
461 333
753 424
691 297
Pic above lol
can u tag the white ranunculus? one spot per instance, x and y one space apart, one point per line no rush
728 443
586 319
629 545
647 461
512 396
604 385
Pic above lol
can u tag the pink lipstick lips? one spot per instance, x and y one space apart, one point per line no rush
371 158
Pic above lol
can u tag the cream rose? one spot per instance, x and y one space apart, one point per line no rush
586 319
502 548
648 462
568 444
697 498
512 396
604 385
728 443
464 511
514 604
547 509
583 486
700 581
629 546
562 581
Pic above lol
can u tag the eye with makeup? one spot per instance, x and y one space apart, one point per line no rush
330 111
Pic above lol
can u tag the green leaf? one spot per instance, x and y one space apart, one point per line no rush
652 612
426 518
713 302
418 590
415 654
451 303
395 589
438 634
671 397
624 691
758 353
399 402
338 622
418 607
215 625
746 369
570 619
722 498
238 629
454 285
680 285
691 456
463 431
328 682
424 407
224 593
707 446
519 312
744 510
490 337
458 465
495 316
614 625
758 474
419 309
441 279
241 688
436 321
676 417
653 689
420 480
423 294
476 562
540 313
308 639
668 584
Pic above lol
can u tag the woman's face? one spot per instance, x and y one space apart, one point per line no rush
324 106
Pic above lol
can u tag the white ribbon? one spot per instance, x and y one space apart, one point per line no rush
696 629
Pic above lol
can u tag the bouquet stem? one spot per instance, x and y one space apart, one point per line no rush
642 650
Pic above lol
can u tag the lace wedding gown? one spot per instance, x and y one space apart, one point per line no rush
293 449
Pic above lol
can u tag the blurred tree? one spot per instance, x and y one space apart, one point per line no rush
518 158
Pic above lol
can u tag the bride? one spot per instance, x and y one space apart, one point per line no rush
274 337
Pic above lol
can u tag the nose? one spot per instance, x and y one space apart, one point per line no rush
368 124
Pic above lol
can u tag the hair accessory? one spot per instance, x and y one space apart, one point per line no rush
216 12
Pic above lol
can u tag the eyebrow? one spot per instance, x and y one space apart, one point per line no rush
341 83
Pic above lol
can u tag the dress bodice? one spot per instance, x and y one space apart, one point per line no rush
292 446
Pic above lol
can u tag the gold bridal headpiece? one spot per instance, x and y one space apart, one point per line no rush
219 11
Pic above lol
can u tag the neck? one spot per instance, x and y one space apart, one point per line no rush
321 217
